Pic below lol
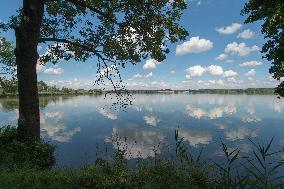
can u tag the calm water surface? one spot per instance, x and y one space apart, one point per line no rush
82 126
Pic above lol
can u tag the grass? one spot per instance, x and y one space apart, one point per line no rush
24 167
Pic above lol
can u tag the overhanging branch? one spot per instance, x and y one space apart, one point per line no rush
78 44
83 4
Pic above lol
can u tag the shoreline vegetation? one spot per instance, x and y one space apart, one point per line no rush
10 90
26 165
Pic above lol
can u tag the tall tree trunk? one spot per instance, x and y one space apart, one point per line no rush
27 37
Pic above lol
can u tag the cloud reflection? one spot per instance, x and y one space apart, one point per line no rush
213 113
195 138
51 126
240 134
151 120
107 113
137 142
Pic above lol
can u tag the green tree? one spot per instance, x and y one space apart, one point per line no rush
116 32
7 60
271 13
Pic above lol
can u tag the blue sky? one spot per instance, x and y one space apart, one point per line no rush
220 52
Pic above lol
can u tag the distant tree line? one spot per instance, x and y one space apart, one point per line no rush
10 88
234 91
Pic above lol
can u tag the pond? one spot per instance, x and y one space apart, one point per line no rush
83 126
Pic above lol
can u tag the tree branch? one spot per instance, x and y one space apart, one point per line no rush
83 4
43 40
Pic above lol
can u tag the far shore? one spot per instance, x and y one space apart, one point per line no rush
249 91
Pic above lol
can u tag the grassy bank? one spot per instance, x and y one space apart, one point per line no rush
29 166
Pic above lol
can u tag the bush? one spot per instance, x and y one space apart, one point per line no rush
14 153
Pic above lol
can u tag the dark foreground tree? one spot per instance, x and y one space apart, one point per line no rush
116 32
271 13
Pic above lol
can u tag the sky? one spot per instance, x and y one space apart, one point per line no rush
220 52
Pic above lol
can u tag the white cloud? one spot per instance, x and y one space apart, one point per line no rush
230 73
173 72
251 63
108 70
149 75
252 72
151 64
194 45
195 71
222 56
240 49
217 82
137 76
39 67
229 29
53 71
232 80
230 61
246 34
215 70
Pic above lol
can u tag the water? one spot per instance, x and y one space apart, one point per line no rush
82 126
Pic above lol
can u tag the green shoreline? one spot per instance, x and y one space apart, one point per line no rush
248 91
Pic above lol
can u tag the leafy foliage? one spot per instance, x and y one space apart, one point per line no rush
13 153
272 15
7 59
114 32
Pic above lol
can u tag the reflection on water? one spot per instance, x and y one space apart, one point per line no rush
77 124
137 142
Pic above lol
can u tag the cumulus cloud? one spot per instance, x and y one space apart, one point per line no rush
251 63
222 56
233 28
246 34
240 49
173 72
151 64
195 71
230 73
212 69
53 71
194 45
252 72
215 70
